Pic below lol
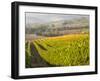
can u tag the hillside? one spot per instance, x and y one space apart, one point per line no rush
56 28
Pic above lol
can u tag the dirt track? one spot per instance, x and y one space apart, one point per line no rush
36 59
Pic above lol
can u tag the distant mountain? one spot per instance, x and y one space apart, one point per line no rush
80 21
34 17
58 27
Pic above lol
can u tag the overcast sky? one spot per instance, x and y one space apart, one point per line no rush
45 17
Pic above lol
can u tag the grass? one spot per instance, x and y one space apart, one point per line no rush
27 54
67 50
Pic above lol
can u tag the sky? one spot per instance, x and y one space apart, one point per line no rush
32 17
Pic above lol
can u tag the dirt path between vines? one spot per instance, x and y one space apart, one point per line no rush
36 59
